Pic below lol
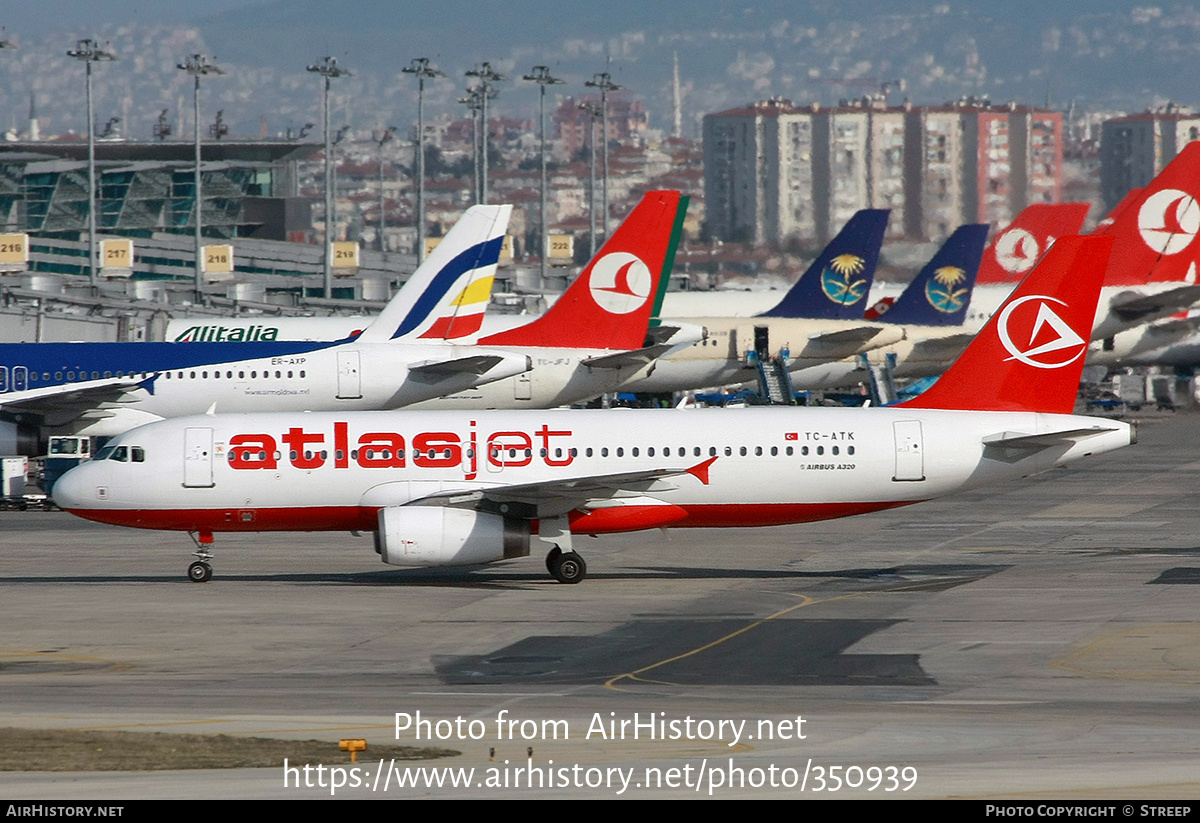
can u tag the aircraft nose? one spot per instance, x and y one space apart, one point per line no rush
74 490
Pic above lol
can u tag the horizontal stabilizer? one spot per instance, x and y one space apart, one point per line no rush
476 364
940 349
1017 440
1137 306
623 359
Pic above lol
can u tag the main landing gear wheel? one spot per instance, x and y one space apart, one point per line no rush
552 557
199 572
567 567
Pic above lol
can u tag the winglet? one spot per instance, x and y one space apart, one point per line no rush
609 304
445 290
700 470
148 383
940 293
835 286
1030 354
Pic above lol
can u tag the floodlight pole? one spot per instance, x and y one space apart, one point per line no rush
487 90
541 76
471 101
592 110
387 135
421 69
603 81
90 52
328 68
197 65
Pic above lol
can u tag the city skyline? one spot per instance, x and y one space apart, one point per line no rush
1099 55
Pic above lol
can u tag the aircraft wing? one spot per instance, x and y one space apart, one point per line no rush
62 404
940 349
1136 306
1170 331
551 498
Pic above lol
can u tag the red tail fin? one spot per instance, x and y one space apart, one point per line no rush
1013 251
609 304
1155 229
1029 355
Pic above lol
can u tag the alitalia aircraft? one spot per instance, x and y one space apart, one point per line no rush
460 488
592 341
406 355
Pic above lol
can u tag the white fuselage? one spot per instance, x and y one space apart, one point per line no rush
354 376
729 467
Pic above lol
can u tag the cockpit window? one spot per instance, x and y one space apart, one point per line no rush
104 453
137 454
121 454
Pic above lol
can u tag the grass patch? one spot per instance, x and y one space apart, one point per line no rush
42 750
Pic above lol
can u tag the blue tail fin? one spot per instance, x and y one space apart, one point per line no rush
940 293
836 284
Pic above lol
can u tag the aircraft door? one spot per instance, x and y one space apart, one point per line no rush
522 386
910 450
762 342
349 379
3 379
20 377
197 458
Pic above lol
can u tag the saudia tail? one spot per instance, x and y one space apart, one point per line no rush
610 304
835 286
1030 354
940 294
446 296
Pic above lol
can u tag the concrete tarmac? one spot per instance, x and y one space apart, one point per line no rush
1039 639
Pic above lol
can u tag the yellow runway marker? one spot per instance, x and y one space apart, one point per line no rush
807 601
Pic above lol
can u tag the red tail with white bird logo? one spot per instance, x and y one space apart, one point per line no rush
610 304
1030 354
1155 231
1014 251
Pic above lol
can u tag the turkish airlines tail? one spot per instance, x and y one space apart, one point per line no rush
1015 249
610 304
446 296
1030 354
1155 232
941 291
836 285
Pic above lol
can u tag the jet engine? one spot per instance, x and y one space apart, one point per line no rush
438 536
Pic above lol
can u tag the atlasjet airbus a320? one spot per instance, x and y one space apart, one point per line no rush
459 488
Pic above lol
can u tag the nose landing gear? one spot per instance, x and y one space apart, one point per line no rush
201 570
